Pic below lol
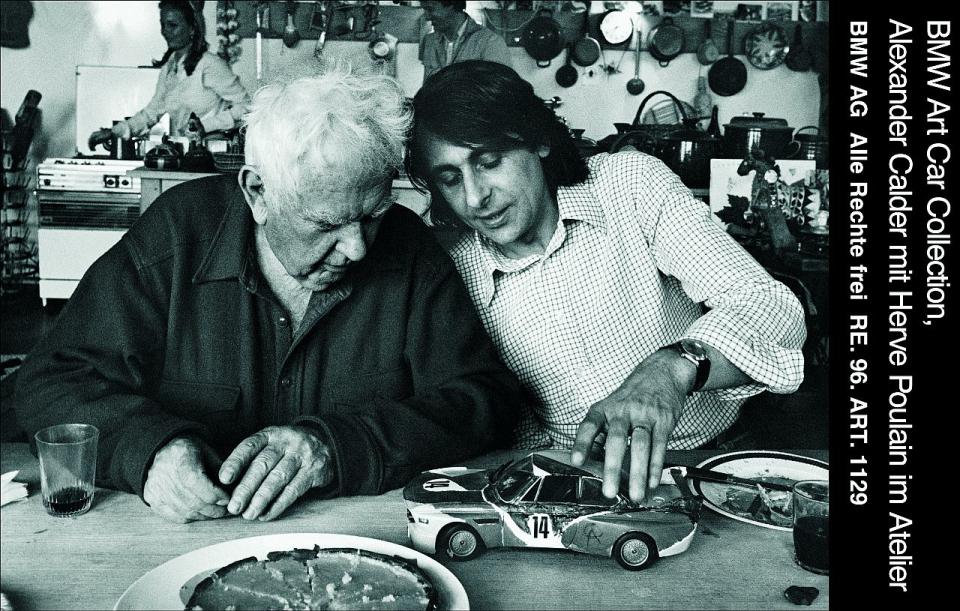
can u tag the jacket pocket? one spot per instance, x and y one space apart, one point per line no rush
363 389
200 402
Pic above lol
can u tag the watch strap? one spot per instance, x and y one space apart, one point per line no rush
701 362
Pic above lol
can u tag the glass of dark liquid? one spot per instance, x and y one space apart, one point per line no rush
68 466
811 525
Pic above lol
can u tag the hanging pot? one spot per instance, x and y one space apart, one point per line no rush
666 41
812 146
541 38
773 136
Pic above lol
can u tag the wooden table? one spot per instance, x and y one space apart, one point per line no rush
87 562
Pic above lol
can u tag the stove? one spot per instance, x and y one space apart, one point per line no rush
98 175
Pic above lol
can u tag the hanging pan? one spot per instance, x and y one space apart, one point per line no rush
586 51
666 41
541 38
567 74
728 76
707 52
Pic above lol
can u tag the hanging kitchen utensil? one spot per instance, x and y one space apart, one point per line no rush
586 51
666 41
703 101
766 46
728 75
258 8
567 74
799 58
616 27
325 22
636 85
290 34
707 52
541 38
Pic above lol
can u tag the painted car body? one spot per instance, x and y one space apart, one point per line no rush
537 501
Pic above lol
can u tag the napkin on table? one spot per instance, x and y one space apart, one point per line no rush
11 490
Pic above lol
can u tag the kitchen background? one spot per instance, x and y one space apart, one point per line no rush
64 35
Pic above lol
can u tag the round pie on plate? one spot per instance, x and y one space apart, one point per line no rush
337 578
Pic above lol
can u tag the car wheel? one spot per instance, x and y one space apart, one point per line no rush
635 551
460 542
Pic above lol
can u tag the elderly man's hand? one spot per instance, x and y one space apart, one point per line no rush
644 408
177 486
279 464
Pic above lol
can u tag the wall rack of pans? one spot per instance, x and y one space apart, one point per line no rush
354 22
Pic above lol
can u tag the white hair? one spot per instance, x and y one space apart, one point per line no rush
336 128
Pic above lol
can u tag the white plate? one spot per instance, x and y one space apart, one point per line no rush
161 587
752 465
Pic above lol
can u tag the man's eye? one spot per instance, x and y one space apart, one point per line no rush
489 161
449 179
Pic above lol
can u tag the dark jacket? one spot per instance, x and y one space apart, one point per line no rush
175 331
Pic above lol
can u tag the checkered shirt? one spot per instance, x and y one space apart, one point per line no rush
636 263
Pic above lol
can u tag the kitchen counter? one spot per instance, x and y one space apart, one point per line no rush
155 182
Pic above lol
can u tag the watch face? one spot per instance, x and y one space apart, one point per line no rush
616 27
694 348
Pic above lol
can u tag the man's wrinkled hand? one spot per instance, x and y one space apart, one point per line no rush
177 486
644 409
279 464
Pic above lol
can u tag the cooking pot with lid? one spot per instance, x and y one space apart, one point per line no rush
773 136
688 152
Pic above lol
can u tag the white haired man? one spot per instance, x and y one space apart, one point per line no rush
292 323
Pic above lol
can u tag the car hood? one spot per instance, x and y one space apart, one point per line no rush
444 485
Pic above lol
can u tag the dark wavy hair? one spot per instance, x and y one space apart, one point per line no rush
192 12
481 104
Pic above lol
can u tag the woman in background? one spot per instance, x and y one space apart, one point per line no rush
192 80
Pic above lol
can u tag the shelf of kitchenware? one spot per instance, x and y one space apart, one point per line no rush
406 23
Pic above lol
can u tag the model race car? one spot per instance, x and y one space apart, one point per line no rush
537 501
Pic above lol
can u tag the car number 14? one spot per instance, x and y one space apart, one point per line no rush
540 526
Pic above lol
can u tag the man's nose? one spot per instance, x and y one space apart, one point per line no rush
352 243
475 190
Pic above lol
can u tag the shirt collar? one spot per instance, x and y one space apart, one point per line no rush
575 203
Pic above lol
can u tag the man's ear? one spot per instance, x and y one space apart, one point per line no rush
252 186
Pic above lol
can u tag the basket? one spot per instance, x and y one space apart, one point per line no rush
645 136
228 162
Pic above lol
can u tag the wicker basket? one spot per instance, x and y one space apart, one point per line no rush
228 162
645 136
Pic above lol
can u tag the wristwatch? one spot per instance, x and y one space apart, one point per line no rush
696 353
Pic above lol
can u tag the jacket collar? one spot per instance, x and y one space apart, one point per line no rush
229 253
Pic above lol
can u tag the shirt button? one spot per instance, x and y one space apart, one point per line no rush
286 382
284 321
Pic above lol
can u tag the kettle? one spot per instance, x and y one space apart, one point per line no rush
120 148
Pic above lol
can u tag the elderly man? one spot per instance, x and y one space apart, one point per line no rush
293 323
592 278
456 38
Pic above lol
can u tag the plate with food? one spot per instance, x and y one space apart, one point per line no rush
763 506
298 571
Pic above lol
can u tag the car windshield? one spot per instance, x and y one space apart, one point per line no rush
513 482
